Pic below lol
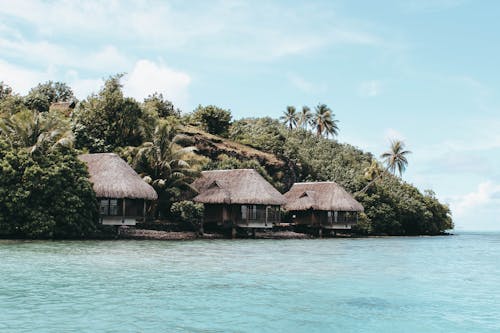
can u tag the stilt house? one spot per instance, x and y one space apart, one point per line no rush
121 192
323 204
238 198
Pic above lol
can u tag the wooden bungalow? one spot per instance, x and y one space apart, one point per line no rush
324 205
238 198
121 192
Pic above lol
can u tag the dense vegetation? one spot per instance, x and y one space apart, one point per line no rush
44 191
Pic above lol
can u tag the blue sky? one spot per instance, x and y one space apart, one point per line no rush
423 71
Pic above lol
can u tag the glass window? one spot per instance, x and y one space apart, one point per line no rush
113 207
253 212
104 207
244 212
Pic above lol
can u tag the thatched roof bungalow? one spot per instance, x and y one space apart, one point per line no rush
322 204
122 193
240 197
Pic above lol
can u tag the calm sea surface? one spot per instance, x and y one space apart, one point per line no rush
421 284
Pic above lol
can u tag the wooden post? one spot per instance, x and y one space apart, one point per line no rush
144 211
123 210
320 232
201 227
265 223
233 232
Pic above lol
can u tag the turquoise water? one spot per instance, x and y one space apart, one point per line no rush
421 284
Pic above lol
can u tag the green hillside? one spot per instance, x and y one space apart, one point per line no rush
42 133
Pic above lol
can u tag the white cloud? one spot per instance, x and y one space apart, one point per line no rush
148 77
247 31
487 193
392 134
84 87
21 79
305 85
371 88
44 53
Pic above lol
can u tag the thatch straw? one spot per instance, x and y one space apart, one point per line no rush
112 177
240 186
327 196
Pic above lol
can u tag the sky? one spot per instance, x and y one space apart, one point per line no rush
425 71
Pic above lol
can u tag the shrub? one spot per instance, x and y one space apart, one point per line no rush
213 119
188 212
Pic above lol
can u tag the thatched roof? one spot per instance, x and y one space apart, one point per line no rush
240 186
320 196
112 177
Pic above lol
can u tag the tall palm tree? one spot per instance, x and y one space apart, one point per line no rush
290 117
33 130
305 117
324 122
166 164
395 158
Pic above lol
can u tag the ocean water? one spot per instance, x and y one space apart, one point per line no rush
414 284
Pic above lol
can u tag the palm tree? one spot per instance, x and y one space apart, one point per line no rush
374 171
166 164
323 121
290 117
395 158
305 117
33 130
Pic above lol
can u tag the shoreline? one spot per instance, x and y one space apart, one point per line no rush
150 234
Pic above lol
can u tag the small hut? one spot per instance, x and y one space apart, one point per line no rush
64 108
325 205
121 192
238 198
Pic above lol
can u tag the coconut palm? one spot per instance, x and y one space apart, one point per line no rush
290 117
166 164
324 122
395 158
305 117
374 171
33 130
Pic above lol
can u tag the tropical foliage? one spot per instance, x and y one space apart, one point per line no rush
45 195
109 120
166 165
44 94
290 117
395 158
212 119
44 191
33 130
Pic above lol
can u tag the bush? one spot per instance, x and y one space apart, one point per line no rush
188 212
214 120
45 195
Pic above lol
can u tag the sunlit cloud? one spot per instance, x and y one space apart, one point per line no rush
148 77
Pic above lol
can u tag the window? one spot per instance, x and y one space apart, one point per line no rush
109 207
113 207
104 207
249 212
